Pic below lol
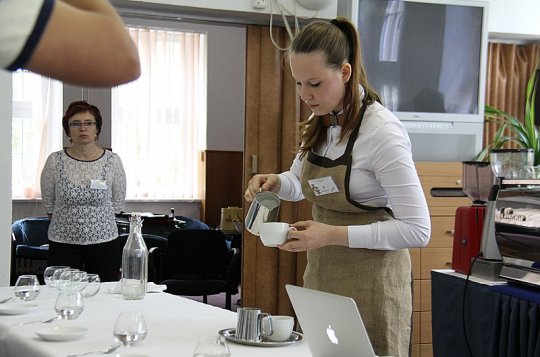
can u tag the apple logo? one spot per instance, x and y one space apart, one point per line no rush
332 335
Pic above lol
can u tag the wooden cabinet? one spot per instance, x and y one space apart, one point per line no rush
438 253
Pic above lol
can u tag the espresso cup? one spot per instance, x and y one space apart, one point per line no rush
274 233
282 328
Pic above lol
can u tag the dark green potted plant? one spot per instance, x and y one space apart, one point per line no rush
524 133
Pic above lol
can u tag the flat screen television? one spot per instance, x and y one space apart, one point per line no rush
427 59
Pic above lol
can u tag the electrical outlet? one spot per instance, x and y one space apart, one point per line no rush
259 4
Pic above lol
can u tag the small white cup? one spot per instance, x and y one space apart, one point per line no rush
274 233
282 327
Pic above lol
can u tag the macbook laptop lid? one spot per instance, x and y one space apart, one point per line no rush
331 324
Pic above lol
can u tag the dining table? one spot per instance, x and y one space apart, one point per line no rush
174 325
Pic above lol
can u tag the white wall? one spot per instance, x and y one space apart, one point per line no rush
5 177
238 10
514 20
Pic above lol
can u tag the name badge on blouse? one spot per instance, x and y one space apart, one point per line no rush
323 186
98 184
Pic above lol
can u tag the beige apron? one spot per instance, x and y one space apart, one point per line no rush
378 280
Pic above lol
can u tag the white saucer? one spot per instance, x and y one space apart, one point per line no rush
61 333
16 308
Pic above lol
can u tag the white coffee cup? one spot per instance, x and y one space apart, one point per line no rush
282 327
274 233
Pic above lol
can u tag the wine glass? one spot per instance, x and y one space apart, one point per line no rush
55 278
94 283
48 274
27 287
70 279
211 347
130 328
80 280
69 304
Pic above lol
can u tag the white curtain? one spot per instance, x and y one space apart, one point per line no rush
157 120
36 129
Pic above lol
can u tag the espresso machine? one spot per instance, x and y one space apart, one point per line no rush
515 216
517 230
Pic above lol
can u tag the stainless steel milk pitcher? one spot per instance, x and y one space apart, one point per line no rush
249 326
264 208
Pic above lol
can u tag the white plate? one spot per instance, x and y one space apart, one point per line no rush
16 308
128 355
61 333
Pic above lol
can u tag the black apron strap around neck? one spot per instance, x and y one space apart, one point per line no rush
352 138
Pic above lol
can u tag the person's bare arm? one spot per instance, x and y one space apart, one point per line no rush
85 43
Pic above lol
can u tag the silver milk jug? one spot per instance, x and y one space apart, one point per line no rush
264 208
249 326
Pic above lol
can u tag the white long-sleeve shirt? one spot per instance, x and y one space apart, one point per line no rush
382 175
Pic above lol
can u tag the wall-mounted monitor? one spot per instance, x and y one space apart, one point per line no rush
427 59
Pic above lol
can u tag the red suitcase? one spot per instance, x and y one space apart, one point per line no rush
467 236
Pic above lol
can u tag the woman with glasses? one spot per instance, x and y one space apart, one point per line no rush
83 186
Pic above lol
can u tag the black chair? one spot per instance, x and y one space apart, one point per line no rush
30 246
192 223
198 262
152 241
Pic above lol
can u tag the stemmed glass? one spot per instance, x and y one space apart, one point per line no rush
72 279
27 287
211 347
94 283
55 278
48 275
80 281
69 304
130 328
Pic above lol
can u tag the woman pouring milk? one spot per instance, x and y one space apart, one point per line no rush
355 165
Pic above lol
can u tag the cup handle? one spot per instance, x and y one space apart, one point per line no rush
269 317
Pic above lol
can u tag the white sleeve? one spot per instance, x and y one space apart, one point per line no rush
391 162
21 26
291 189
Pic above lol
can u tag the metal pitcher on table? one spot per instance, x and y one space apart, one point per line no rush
250 326
264 208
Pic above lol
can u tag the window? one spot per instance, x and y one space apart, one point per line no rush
36 129
159 120
158 123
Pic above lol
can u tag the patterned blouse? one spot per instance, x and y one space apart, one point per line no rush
83 197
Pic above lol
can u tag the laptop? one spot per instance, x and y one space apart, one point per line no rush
331 324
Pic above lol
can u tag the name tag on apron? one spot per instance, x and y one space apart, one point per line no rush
323 186
98 184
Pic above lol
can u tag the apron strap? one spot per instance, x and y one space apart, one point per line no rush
352 138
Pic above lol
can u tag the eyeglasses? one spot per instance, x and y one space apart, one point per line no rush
85 124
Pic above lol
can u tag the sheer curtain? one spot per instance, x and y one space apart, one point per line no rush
159 121
36 129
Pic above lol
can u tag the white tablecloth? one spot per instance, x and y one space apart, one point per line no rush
174 325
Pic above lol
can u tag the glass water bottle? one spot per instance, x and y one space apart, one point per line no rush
134 262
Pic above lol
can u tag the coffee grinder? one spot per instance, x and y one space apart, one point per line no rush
469 221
